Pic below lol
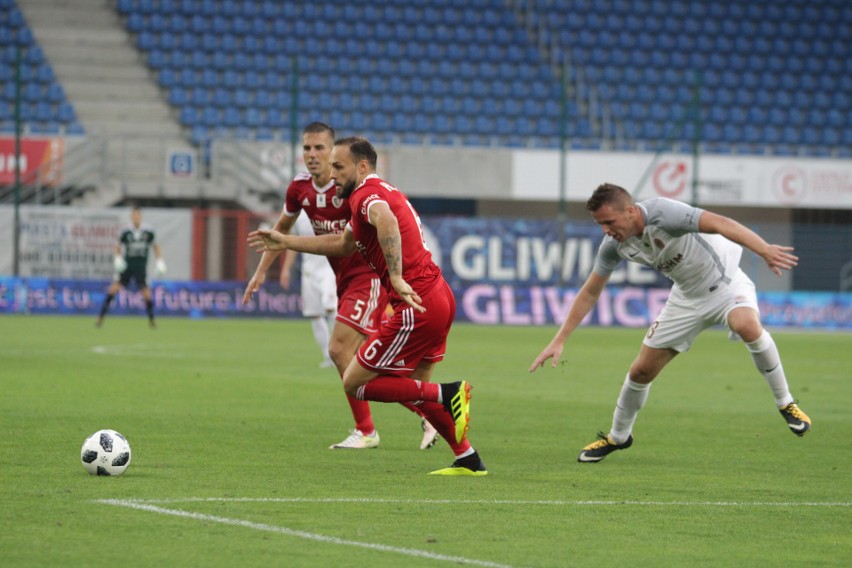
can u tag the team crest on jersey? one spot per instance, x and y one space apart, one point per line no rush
337 202
660 244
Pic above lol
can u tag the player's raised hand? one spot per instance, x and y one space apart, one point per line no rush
778 258
266 240
407 293
553 350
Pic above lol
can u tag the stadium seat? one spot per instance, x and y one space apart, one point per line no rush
65 113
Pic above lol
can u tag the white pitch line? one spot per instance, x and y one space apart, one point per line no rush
493 502
299 534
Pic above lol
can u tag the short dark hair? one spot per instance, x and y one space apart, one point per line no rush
318 128
361 149
609 193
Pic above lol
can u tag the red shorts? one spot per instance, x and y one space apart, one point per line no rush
410 336
362 303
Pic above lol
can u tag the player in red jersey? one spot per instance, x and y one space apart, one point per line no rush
395 363
361 298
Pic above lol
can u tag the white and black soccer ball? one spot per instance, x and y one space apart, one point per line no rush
106 452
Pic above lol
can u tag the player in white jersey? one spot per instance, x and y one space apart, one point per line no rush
700 252
319 289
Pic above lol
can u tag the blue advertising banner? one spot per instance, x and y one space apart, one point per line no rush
191 299
528 252
626 306
824 310
486 303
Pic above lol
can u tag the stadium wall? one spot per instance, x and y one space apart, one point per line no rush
503 271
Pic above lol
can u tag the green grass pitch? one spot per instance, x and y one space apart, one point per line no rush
229 423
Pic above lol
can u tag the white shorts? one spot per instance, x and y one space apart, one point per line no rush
682 318
319 293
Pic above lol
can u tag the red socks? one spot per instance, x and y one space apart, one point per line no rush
443 423
362 415
396 389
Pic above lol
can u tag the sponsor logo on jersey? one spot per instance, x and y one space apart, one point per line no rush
669 264
400 363
659 244
306 202
324 226
366 203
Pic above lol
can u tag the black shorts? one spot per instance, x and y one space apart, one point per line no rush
138 276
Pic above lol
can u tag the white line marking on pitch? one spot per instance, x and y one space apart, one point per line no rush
136 350
494 502
299 534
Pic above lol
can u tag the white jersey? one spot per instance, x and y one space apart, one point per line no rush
311 263
695 262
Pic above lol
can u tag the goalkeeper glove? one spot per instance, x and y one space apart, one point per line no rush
119 263
161 266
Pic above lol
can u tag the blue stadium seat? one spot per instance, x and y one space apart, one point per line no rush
483 125
178 96
254 117
189 116
242 98
43 112
65 112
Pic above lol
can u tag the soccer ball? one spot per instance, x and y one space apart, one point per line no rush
106 452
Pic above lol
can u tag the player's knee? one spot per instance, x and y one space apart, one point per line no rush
642 376
340 354
642 373
746 325
350 387
351 382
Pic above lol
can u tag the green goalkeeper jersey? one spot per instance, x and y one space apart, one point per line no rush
137 243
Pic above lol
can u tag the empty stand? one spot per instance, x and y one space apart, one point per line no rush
769 77
416 68
767 71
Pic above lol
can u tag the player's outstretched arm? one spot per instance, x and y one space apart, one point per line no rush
583 303
268 240
777 257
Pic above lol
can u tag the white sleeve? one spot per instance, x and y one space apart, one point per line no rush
607 258
674 217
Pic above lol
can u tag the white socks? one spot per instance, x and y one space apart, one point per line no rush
633 395
319 325
632 398
768 362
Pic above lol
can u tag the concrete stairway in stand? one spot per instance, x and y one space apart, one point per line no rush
111 89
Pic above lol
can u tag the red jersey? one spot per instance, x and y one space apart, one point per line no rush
417 266
328 214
